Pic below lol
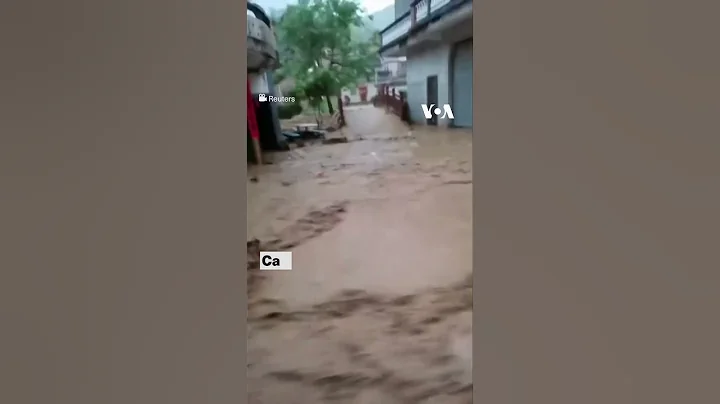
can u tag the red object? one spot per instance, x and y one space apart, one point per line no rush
363 93
251 117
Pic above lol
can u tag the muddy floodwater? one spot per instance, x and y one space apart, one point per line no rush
378 306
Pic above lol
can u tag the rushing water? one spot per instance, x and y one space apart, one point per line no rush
378 305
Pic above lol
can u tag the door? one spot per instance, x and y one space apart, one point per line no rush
432 97
462 84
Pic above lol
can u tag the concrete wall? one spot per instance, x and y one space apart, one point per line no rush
433 58
423 63
392 60
401 7
259 83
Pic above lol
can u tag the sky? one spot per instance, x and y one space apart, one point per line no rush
370 5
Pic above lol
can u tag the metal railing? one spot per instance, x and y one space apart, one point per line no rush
386 76
394 102
383 75
419 11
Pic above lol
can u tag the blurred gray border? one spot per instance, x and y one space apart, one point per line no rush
122 169
596 194
123 195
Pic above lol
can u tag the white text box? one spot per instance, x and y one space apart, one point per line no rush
276 260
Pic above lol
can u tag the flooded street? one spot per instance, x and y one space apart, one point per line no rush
378 306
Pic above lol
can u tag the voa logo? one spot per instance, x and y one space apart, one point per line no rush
446 111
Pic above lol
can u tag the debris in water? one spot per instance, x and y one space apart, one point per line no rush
335 140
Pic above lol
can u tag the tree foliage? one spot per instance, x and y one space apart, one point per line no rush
319 49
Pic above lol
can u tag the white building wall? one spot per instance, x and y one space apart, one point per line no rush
392 64
258 84
420 65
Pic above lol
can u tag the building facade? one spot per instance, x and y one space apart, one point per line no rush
435 38
263 59
391 71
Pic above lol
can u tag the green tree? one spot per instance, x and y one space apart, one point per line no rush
320 50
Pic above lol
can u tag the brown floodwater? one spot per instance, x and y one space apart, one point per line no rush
377 308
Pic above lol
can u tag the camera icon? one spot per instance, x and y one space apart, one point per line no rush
262 97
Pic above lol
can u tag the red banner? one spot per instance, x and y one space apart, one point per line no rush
251 116
363 93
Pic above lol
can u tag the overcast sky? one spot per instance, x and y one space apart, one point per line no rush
370 5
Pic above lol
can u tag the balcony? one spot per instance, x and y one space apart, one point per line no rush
396 76
262 51
421 14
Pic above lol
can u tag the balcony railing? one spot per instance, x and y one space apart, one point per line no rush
419 12
382 75
386 75
394 101
398 29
